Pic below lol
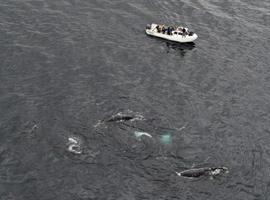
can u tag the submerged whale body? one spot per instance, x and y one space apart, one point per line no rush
206 171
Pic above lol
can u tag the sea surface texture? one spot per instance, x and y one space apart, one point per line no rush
91 108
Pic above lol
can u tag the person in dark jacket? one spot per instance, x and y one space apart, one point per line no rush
163 29
169 30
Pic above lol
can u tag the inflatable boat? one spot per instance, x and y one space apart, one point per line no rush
176 34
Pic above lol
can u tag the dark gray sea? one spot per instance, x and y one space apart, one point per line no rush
68 66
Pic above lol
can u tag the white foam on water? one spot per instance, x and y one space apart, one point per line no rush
73 148
73 140
215 172
138 117
178 173
139 134
98 123
74 145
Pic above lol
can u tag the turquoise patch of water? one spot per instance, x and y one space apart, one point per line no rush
166 139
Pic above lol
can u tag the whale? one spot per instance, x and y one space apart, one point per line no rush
205 171
120 118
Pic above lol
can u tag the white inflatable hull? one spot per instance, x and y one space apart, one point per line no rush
174 37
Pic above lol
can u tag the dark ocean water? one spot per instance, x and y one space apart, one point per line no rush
68 65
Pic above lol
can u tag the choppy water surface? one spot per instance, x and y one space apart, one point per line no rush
68 66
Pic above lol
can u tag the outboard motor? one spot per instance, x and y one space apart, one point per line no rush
148 26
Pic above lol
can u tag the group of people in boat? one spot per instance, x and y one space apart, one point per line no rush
171 29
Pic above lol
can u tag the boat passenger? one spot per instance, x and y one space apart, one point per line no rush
169 30
158 28
184 32
163 29
180 29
